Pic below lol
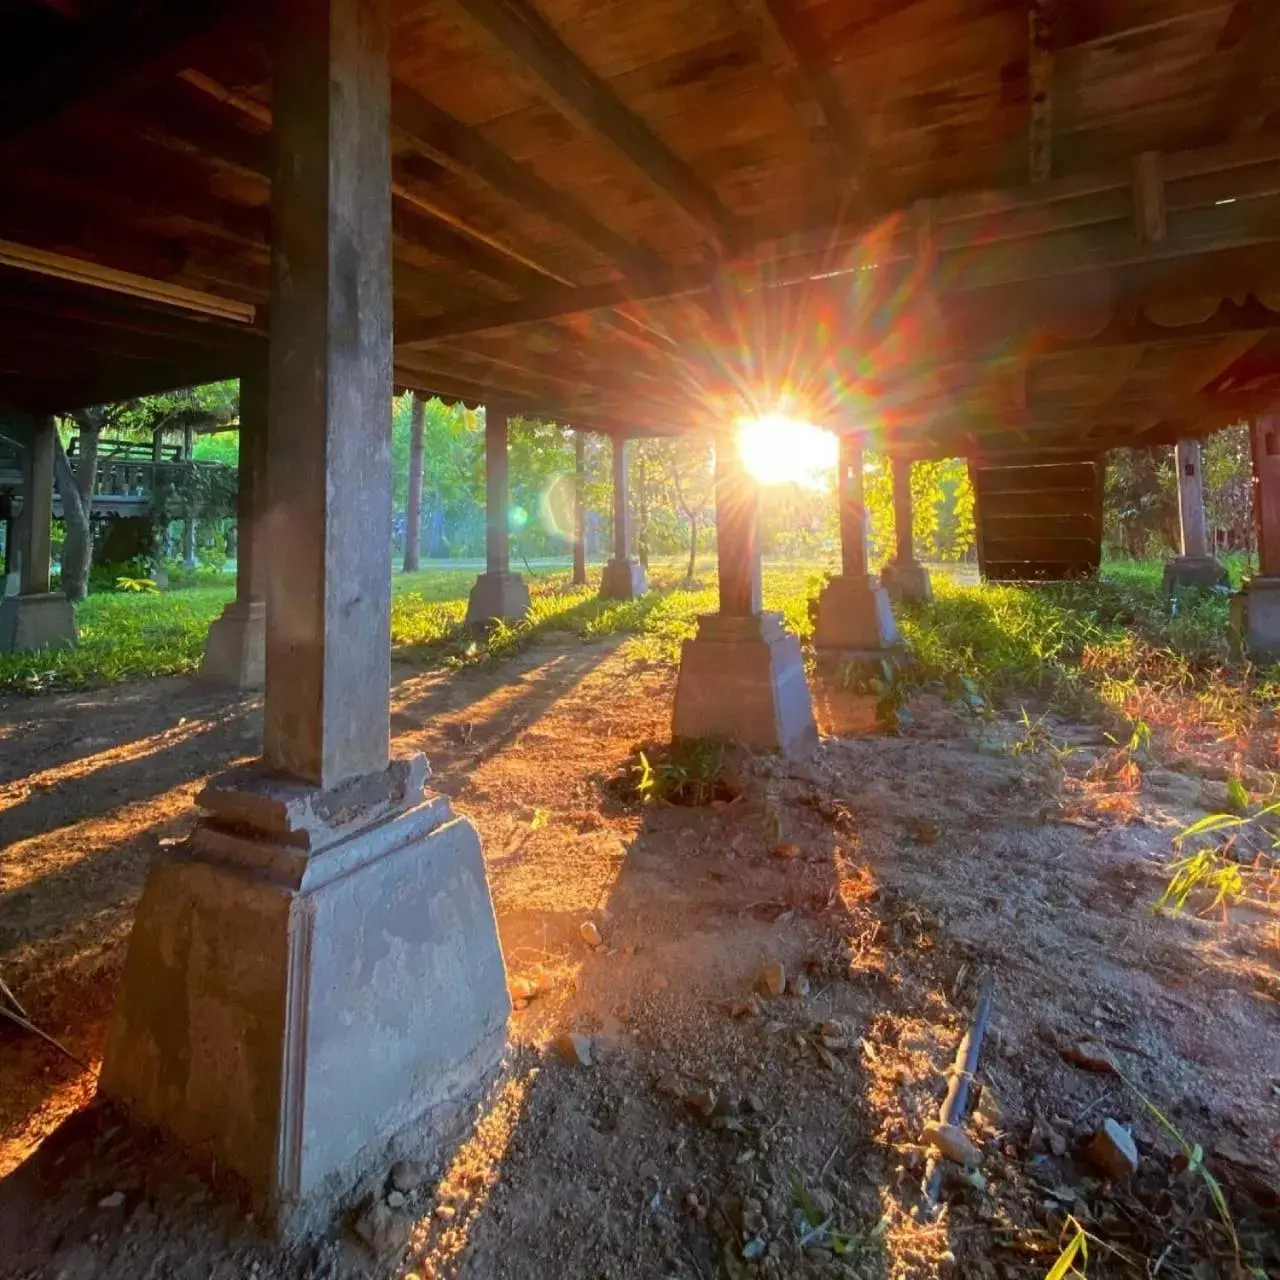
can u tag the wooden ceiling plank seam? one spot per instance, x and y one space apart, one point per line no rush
523 36
1042 20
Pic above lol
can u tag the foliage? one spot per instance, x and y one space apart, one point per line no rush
942 508
689 775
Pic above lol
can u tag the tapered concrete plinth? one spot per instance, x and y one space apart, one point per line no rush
497 597
308 975
235 652
1204 572
742 679
36 622
623 580
907 581
855 619
1255 619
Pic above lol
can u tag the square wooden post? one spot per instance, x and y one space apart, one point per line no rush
623 577
498 595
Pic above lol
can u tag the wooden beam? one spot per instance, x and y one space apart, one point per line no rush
441 138
532 44
1042 18
115 51
808 86
1149 222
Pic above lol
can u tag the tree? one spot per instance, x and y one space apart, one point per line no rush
683 479
147 418
413 509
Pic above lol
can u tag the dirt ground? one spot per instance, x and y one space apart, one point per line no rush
716 1130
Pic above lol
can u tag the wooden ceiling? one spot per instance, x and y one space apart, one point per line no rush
964 225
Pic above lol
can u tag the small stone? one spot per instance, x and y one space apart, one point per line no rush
113 1201
748 1008
773 979
1057 1143
786 852
575 1047
1090 1055
798 985
669 1083
381 1229
1112 1150
952 1141
407 1175
590 934
752 1103
926 832
395 1199
702 1101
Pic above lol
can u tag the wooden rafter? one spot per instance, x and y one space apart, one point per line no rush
1254 91
812 92
530 43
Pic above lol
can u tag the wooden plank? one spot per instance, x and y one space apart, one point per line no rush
1254 90
1055 476
1148 198
1050 504
531 43
1039 571
1028 524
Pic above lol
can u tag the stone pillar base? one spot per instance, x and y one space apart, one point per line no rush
1255 619
742 679
497 597
1205 572
37 622
236 651
907 581
855 619
623 580
308 975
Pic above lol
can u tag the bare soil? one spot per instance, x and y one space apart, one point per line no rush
717 1131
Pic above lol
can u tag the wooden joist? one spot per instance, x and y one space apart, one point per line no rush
808 85
1042 18
532 44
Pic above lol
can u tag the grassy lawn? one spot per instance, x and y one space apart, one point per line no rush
1111 646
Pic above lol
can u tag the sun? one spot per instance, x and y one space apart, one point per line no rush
777 449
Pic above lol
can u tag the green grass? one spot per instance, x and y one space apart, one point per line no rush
1075 642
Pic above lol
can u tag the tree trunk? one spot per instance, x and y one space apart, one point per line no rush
693 549
76 491
413 511
642 509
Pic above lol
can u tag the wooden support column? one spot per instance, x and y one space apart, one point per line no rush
579 509
413 507
742 676
621 501
498 595
235 649
737 534
623 577
329 446
1265 439
497 491
853 509
36 617
903 517
38 500
1191 518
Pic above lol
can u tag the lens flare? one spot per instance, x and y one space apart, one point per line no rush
777 449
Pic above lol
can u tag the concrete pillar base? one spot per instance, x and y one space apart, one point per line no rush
742 679
1255 619
854 618
1205 572
37 622
497 597
310 974
236 651
906 581
623 580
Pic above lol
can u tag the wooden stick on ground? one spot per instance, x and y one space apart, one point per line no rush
956 1103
